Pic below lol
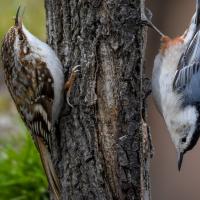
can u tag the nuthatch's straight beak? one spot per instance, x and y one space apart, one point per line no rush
180 160
17 17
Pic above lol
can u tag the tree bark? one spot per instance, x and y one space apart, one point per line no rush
103 149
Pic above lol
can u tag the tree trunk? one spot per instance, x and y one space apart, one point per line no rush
102 151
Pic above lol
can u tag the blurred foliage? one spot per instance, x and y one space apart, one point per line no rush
5 103
34 16
21 174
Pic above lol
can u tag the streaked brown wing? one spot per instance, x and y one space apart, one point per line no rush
31 88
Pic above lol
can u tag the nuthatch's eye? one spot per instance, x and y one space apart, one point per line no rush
183 140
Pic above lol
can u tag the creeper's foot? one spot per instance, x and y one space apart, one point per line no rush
69 83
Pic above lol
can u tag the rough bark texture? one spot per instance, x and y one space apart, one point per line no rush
103 149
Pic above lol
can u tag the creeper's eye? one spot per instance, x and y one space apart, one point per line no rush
21 37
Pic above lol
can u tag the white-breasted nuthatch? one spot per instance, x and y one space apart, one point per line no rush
176 85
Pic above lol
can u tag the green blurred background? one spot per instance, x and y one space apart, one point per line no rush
34 16
21 174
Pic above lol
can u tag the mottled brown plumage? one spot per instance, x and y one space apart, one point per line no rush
30 83
34 77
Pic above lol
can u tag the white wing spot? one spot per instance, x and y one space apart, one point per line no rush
40 109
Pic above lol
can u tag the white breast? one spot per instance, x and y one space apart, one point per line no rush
55 67
169 102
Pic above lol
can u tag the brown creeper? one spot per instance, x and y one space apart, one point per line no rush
34 76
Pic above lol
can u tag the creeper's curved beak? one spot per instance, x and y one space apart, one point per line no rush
17 21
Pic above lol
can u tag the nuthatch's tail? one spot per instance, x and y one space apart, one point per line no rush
197 20
53 180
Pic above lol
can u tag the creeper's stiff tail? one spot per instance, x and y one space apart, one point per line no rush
53 180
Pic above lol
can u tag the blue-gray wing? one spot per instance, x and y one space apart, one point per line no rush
187 79
192 53
187 83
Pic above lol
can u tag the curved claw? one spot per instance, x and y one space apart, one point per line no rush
75 68
68 102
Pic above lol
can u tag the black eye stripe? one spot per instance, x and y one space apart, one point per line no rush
183 139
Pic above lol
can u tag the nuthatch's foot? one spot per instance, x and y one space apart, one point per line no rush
146 21
69 83
146 16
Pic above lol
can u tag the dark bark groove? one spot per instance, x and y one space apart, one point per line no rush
103 150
